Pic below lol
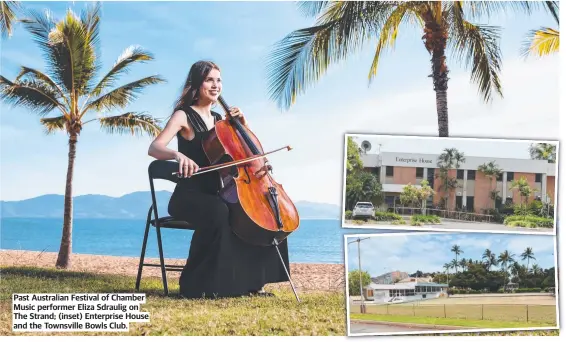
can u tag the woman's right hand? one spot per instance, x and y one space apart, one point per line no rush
187 167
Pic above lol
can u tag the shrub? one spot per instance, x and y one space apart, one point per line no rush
498 216
526 290
525 224
528 221
399 222
425 218
348 214
464 291
387 216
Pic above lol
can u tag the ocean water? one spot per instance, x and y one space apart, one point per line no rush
316 241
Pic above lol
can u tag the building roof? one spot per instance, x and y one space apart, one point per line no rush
471 163
401 286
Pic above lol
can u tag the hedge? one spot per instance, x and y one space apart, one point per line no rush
425 218
385 216
528 221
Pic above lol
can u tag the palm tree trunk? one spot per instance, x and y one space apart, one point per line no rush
436 37
66 239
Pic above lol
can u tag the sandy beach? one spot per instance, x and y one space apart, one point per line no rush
306 277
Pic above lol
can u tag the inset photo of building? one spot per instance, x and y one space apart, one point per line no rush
416 283
461 184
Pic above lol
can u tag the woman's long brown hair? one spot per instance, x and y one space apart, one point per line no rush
196 77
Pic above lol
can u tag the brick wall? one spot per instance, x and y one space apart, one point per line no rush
404 175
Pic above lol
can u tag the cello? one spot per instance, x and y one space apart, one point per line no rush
261 212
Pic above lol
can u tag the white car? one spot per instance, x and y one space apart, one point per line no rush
363 210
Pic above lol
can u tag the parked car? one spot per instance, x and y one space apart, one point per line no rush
363 210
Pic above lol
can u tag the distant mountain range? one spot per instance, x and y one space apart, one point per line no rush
130 206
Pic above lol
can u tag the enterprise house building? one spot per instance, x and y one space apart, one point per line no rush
395 170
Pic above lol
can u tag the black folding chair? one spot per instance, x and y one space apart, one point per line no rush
160 169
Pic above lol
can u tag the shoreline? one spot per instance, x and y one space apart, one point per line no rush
305 276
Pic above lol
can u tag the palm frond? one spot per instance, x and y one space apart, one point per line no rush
130 55
122 96
389 32
37 75
39 25
91 21
132 123
312 8
542 42
31 94
480 45
479 9
303 56
68 46
73 38
8 10
552 7
54 124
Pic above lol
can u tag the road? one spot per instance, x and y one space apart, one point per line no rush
452 225
368 328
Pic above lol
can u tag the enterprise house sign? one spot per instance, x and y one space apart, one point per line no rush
419 160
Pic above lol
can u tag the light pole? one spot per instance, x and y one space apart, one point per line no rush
362 306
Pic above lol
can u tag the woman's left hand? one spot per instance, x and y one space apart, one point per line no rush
237 113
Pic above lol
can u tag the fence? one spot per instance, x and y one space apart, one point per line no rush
448 214
491 312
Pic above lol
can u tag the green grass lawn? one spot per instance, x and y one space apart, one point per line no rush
317 314
448 321
541 314
322 313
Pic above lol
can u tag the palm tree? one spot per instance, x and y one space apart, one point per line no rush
528 254
8 10
456 250
342 27
544 41
450 158
70 48
491 171
490 258
463 264
504 259
543 151
447 267
536 269
522 185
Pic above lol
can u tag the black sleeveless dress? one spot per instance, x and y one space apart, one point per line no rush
220 264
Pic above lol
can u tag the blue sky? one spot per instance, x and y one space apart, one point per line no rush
429 252
238 36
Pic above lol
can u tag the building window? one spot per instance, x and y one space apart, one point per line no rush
389 171
420 172
460 174
538 178
389 200
510 176
458 202
430 177
471 174
498 203
500 177
509 200
470 203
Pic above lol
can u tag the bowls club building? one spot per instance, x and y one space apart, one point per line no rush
404 292
395 170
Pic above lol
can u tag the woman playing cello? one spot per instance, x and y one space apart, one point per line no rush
219 264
